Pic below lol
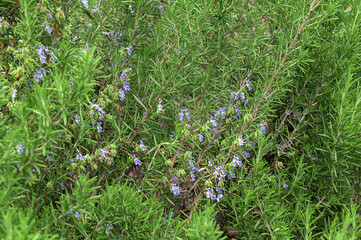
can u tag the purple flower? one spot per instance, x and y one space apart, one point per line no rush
109 227
142 146
38 75
220 173
99 127
237 161
193 169
240 141
210 194
122 95
49 15
238 110
231 175
201 137
186 112
124 74
237 95
248 85
213 121
136 161
160 7
246 154
41 53
222 112
193 178
47 28
76 119
181 115
130 49
108 33
241 95
160 107
263 126
285 186
76 215
85 2
79 156
20 149
51 158
126 86
14 93
219 190
104 153
48 50
97 107
62 186
176 189
95 8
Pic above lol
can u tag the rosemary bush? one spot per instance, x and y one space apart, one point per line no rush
180 119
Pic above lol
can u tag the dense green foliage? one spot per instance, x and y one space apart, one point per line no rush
180 119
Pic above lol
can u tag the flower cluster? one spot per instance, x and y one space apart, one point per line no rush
237 161
212 195
42 50
79 156
220 173
126 86
47 28
193 169
39 74
186 113
101 111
